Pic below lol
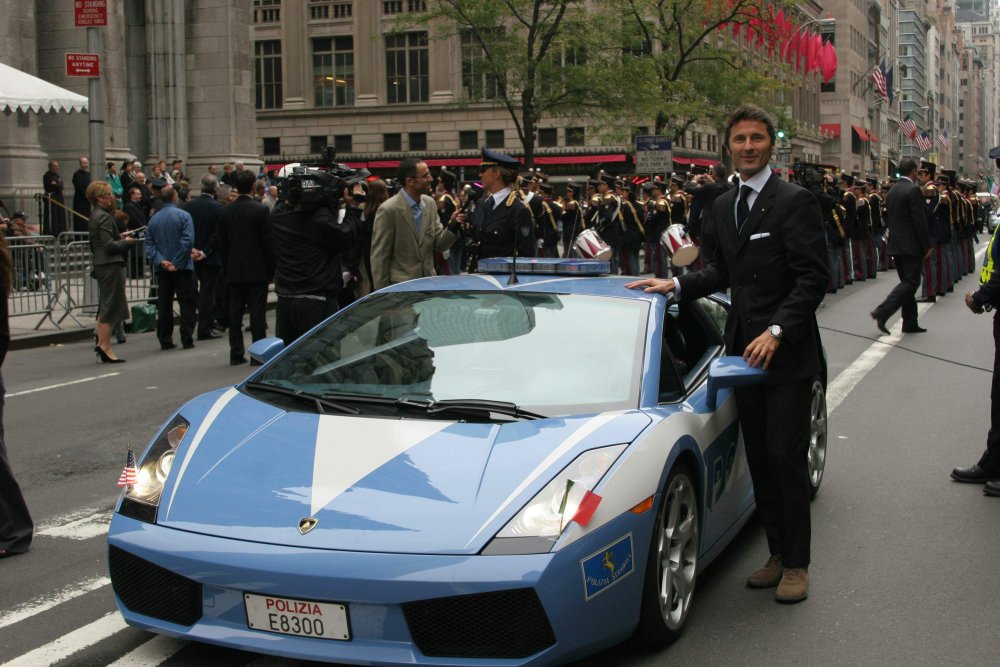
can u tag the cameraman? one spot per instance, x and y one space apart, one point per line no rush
308 239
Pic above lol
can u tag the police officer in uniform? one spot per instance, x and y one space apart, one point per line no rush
932 264
572 219
447 204
635 230
987 470
657 221
501 224
879 257
850 205
547 223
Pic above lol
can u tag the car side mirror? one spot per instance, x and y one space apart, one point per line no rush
266 349
729 372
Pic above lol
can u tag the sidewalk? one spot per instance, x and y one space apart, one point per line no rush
23 334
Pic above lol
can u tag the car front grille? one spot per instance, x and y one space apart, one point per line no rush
151 590
504 624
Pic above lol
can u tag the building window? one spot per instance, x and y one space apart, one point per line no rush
272 145
343 143
392 142
418 141
406 68
575 136
548 137
333 71
317 145
468 139
494 138
267 71
478 83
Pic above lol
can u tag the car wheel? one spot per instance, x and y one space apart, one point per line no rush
817 437
672 566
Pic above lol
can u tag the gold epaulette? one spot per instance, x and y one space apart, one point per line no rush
511 198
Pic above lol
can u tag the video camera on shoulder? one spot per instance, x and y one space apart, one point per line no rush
808 175
308 186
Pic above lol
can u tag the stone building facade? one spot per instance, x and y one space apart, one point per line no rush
178 83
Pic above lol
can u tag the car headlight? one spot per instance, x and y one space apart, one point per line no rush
154 470
539 523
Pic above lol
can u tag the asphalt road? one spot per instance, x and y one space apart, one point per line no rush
903 558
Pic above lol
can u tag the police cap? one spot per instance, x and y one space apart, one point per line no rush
494 159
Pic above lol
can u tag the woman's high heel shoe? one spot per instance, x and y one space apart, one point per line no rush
103 357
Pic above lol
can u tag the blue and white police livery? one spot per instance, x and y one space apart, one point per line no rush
452 471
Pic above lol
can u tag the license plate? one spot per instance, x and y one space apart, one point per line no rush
303 618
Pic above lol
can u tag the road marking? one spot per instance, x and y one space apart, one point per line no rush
157 650
28 610
68 644
849 378
80 525
62 384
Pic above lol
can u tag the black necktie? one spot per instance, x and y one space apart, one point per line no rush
488 205
742 210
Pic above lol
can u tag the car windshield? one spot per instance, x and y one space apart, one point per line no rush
553 354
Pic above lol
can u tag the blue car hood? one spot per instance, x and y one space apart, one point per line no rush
251 471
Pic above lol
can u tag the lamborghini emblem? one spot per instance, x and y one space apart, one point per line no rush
307 524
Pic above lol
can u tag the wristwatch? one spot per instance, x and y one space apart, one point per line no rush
775 331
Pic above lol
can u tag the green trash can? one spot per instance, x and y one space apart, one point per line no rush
143 318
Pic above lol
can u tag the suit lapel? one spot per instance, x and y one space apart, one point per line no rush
408 218
761 206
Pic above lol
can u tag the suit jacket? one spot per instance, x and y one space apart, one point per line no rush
205 212
105 241
907 216
776 268
399 252
242 240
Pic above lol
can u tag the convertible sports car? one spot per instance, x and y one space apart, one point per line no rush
466 470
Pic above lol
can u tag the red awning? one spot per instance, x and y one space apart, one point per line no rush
580 159
871 135
862 133
274 166
696 161
455 162
831 129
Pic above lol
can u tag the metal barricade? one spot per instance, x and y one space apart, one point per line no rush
32 291
76 289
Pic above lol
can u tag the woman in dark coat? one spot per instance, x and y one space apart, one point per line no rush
108 249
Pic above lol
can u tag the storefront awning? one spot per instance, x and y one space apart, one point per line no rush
861 132
872 137
696 161
831 130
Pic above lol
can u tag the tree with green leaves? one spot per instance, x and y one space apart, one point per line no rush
702 58
534 58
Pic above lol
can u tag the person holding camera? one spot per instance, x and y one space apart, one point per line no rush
407 229
309 242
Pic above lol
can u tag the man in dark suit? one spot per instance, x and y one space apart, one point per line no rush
909 245
501 221
204 211
770 252
248 261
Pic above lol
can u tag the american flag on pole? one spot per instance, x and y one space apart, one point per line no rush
127 478
908 127
943 138
924 142
881 85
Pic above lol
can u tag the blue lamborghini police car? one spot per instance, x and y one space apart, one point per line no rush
466 470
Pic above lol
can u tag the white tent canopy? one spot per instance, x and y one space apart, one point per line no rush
23 92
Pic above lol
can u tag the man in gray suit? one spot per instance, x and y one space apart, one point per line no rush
407 230
909 245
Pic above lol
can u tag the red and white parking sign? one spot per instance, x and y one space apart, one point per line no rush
90 13
83 64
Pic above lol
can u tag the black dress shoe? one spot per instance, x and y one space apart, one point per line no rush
209 336
879 322
189 345
167 346
975 475
236 361
992 489
914 329
927 299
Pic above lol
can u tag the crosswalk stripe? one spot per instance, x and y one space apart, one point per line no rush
22 612
70 643
81 528
155 651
